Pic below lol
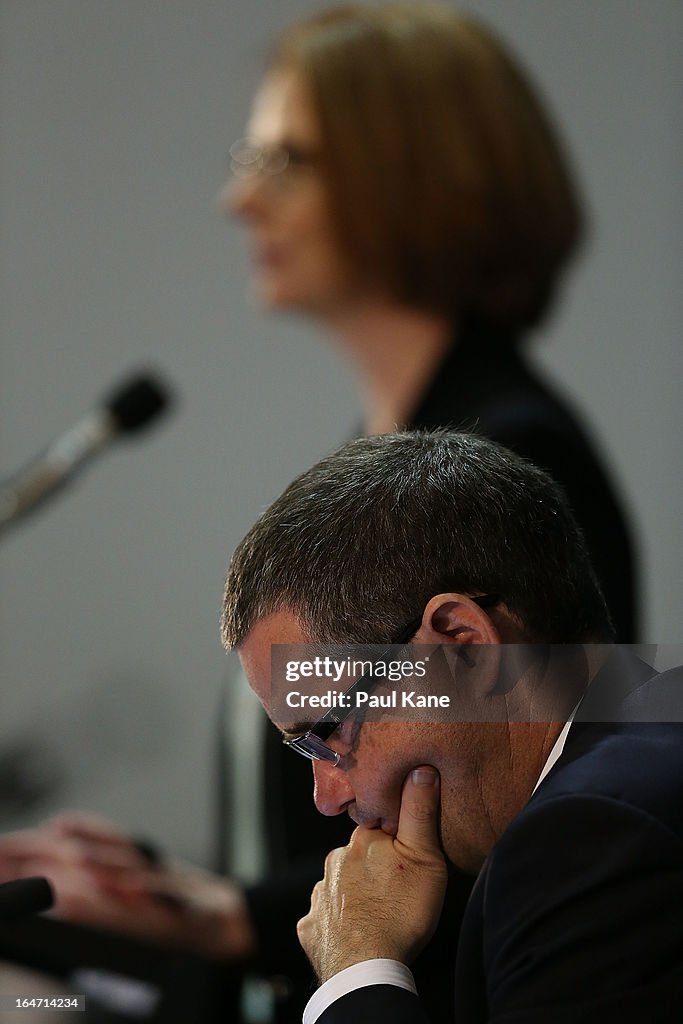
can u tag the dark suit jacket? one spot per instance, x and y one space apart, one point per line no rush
484 383
577 915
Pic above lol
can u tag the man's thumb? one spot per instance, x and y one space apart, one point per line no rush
418 817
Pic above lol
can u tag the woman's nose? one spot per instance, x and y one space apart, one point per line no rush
241 197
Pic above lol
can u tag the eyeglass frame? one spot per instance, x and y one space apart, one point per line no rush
311 744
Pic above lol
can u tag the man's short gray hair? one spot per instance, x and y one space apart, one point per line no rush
356 546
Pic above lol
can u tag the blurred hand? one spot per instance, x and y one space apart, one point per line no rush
381 895
101 880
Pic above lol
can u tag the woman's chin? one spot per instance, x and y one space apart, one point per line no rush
276 299
276 295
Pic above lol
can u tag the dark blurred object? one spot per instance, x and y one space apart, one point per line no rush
174 987
24 897
31 774
136 403
148 849
130 408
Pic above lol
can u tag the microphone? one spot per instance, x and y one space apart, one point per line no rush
24 897
131 408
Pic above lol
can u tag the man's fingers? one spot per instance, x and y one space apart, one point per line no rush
418 817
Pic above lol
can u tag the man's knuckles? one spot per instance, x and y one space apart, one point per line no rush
303 929
333 859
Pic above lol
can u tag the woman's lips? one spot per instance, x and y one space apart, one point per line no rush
268 256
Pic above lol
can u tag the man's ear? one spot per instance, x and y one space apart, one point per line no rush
469 639
456 619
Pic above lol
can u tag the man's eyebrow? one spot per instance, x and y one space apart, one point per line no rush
298 729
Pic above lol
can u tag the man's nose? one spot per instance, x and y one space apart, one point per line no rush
332 790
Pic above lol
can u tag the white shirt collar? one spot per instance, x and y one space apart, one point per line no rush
558 747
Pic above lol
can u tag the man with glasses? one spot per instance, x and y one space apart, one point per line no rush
571 816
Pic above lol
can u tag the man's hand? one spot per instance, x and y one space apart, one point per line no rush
102 880
381 896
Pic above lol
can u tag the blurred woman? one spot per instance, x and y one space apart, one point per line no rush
402 184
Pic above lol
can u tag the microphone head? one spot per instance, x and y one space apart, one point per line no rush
24 897
137 403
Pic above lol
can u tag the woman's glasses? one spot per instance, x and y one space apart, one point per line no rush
251 159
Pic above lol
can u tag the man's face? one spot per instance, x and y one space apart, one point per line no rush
379 756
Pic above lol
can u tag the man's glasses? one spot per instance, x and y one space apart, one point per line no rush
311 744
250 159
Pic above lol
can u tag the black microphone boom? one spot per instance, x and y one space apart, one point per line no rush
130 408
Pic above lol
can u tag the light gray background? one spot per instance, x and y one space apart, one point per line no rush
115 120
